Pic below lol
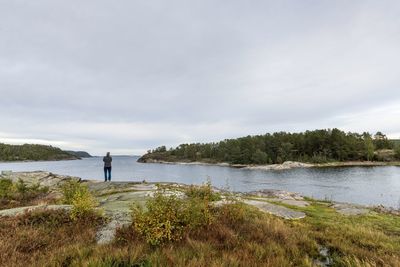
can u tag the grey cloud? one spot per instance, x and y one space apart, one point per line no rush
180 71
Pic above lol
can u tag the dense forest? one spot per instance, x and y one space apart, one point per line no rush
317 146
32 152
80 154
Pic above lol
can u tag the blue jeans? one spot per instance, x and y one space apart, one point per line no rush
107 170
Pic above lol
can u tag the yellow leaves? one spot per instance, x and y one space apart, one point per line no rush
168 218
80 198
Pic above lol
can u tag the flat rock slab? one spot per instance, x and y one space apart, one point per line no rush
107 233
276 210
122 202
53 181
105 188
277 194
19 211
292 202
350 209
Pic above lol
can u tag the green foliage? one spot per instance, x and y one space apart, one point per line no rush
19 193
78 195
397 152
260 157
21 187
311 146
369 147
168 218
381 141
32 152
69 190
163 220
6 188
203 192
83 203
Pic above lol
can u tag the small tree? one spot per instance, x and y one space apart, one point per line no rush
260 157
397 152
79 196
369 148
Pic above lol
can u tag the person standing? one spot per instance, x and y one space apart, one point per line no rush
107 167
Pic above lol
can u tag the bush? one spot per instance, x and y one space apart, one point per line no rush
168 218
20 191
69 189
203 192
78 195
397 152
83 203
6 188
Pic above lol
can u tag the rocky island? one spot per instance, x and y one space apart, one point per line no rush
34 152
53 220
281 150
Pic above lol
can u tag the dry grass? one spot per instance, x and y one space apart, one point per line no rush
38 236
238 235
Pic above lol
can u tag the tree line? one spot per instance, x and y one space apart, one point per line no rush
32 152
316 146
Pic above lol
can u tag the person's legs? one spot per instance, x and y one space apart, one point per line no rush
109 174
105 174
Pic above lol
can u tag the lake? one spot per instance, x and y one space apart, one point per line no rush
362 185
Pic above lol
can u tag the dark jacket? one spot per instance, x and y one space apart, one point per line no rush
107 161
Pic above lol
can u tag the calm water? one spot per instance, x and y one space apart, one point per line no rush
367 185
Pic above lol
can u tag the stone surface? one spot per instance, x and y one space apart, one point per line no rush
276 194
19 211
277 210
117 219
292 202
53 181
284 166
350 209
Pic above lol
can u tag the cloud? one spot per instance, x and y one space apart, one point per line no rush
133 75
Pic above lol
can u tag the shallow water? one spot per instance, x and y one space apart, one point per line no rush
362 185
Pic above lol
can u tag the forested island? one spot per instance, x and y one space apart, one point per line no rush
33 152
80 154
318 146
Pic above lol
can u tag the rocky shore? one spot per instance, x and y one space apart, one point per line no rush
284 166
116 198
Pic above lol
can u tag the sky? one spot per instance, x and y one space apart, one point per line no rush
127 76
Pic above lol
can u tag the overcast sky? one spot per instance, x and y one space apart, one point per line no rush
126 76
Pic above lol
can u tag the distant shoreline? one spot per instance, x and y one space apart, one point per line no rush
284 166
39 160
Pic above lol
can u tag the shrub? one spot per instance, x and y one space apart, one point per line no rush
21 187
69 189
163 220
78 195
168 218
203 192
6 188
83 203
397 152
20 191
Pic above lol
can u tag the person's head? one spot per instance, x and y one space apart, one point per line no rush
108 154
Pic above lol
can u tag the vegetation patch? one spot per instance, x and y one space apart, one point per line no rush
39 238
32 152
78 195
319 146
187 230
19 194
168 218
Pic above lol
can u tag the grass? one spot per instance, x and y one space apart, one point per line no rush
19 194
34 239
235 235
365 240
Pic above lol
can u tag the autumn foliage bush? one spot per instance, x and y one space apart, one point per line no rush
78 195
169 218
